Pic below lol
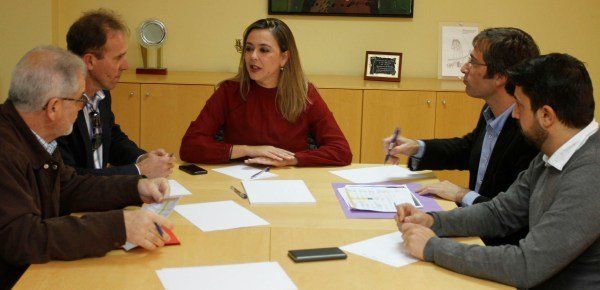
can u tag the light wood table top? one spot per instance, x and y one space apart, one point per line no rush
292 227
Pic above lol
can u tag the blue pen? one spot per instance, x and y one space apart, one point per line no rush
159 229
266 169
392 144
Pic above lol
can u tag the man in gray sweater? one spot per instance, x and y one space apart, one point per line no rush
558 196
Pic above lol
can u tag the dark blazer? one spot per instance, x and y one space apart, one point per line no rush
511 155
117 150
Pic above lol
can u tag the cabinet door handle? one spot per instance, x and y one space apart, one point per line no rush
131 94
147 94
428 102
444 102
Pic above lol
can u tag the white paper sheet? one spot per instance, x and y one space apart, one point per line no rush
377 174
344 195
277 191
387 249
163 209
177 189
220 215
244 172
265 275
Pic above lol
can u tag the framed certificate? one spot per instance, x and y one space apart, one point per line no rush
383 66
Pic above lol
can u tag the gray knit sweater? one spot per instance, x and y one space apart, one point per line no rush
562 209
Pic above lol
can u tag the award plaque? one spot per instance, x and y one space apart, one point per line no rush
383 66
151 36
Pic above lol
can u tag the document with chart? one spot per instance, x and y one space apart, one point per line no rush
380 198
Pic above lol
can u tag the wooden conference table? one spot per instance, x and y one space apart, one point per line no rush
291 227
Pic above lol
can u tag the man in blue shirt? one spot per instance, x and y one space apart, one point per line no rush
495 151
557 196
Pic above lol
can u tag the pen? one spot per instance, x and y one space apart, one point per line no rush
159 229
392 144
241 194
266 169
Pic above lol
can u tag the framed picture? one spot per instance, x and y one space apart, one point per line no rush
456 43
372 8
383 66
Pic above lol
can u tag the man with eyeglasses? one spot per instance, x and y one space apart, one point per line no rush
100 39
39 192
496 150
557 196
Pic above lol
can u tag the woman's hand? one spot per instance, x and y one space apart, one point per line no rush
272 162
270 152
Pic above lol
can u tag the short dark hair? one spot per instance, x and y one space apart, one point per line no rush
503 47
559 81
88 33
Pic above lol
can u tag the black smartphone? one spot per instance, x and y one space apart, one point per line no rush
320 254
192 169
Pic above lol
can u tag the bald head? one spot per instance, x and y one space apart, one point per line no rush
44 73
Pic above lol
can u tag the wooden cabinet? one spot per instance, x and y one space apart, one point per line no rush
420 115
167 111
155 111
412 111
125 99
456 115
347 108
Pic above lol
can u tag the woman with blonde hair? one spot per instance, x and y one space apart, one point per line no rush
268 113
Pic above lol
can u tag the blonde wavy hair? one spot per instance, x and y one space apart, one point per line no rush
292 86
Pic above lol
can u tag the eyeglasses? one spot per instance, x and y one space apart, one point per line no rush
83 99
473 62
97 129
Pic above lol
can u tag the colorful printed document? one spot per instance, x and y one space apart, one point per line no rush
381 198
163 208
429 204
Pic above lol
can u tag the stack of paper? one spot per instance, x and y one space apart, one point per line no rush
377 174
266 275
177 189
278 191
163 208
220 215
380 198
244 172
387 249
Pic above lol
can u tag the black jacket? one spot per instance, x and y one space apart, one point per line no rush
117 150
511 155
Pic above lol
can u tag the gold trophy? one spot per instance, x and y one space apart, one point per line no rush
151 36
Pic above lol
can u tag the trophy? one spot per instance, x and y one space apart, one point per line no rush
151 36
238 45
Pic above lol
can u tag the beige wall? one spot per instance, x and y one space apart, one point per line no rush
23 25
202 33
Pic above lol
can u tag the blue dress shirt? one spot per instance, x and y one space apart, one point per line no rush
493 128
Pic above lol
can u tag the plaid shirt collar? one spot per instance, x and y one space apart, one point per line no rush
50 147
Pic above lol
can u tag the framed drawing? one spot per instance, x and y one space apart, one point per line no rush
372 8
383 66
456 43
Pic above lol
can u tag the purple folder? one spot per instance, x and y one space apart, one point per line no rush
429 204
